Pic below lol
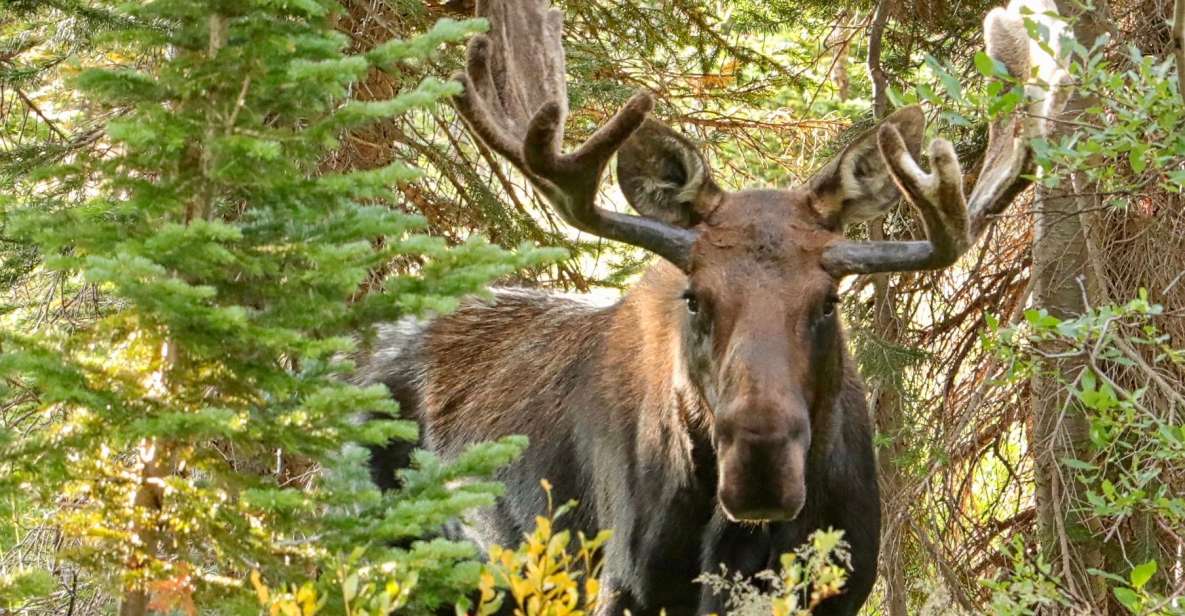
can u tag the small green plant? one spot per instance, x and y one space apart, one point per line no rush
1134 594
1028 585
814 572
1132 467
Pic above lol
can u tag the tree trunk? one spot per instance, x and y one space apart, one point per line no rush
889 414
155 463
886 399
1059 431
1061 279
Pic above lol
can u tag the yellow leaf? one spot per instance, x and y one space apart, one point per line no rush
307 597
519 588
486 586
592 588
260 590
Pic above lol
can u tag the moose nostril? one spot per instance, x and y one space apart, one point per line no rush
773 428
751 436
797 429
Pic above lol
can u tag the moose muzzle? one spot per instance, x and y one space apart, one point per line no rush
762 465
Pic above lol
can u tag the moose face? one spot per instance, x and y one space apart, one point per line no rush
762 343
761 337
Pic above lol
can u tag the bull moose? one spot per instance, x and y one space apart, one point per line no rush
712 415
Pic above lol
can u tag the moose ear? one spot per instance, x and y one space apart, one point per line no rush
856 186
664 176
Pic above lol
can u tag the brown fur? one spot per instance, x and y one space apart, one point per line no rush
623 414
710 418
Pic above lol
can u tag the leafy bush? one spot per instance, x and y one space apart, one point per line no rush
546 575
1133 471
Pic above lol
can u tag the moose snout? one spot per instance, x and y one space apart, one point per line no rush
762 469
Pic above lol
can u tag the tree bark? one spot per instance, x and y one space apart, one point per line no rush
1061 277
889 415
156 464
886 400
1059 431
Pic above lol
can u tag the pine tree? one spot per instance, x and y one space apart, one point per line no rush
37 39
197 444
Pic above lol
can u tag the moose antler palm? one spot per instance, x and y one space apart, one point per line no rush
954 221
515 99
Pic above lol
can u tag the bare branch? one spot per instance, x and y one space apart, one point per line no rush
876 72
1179 44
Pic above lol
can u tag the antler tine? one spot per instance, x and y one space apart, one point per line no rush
505 83
476 97
515 100
1008 156
953 221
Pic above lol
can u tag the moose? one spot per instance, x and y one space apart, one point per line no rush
713 415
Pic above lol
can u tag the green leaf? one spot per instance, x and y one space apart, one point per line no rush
1079 464
953 88
1142 573
1128 598
1137 158
989 66
1040 319
984 64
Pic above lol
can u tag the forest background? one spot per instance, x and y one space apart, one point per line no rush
203 203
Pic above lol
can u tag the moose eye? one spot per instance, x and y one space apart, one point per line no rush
692 302
829 306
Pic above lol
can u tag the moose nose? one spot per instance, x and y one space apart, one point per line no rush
762 427
762 472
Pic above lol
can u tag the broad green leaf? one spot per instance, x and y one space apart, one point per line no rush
1128 598
1142 573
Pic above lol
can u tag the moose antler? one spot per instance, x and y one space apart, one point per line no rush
953 221
515 100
